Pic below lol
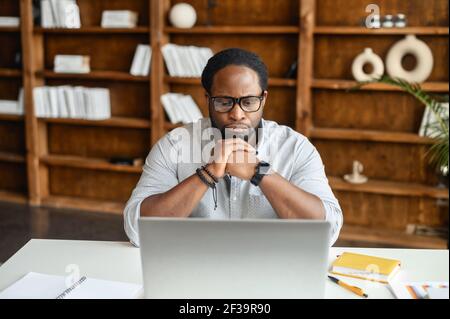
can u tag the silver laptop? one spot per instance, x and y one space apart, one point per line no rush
204 258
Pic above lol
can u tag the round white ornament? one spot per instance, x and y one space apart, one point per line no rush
367 57
422 53
182 15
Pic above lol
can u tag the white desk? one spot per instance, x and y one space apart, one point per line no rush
121 261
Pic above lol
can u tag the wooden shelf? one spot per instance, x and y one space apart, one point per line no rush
94 75
84 204
93 30
347 85
88 163
234 30
9 29
112 122
389 188
11 157
197 81
13 197
10 73
390 237
382 31
11 117
370 136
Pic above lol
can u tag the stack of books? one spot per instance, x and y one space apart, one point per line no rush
185 61
60 14
119 19
180 108
72 102
141 60
9 21
13 107
72 64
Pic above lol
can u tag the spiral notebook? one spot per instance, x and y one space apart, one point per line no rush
41 286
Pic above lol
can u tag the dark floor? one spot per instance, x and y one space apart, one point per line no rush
20 223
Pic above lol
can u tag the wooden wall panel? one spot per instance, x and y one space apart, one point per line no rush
9 8
128 99
278 61
101 185
9 88
352 12
12 137
13 177
10 46
335 54
367 110
91 11
97 142
390 212
253 12
384 161
112 52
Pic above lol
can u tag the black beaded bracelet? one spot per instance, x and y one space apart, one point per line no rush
215 179
212 185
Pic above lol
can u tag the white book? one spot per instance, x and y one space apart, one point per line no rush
62 107
100 103
43 286
205 54
193 108
137 65
79 101
69 14
39 101
47 19
52 109
9 21
21 99
147 61
168 108
69 96
180 107
9 107
55 12
183 62
119 19
90 115
174 60
170 64
189 62
195 56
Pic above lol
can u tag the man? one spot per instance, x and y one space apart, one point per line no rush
251 167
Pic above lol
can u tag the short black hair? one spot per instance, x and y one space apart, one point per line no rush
234 56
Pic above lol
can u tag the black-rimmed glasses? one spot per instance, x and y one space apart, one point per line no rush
224 104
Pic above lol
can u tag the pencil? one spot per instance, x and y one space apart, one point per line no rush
354 289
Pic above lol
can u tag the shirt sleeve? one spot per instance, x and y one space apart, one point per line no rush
159 175
309 175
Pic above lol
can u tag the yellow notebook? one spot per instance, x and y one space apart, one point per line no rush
365 267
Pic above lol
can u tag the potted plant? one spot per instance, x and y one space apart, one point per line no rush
439 152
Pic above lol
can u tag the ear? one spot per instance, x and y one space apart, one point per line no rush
265 94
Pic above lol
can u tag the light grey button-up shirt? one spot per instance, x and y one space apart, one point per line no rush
179 153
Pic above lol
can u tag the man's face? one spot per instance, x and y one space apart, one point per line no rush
236 81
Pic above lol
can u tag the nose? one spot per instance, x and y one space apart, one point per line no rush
236 113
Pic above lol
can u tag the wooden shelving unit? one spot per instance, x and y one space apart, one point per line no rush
13 178
348 124
63 162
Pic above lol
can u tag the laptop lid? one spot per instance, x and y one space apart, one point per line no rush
205 258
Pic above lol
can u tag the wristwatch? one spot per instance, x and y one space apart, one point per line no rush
262 169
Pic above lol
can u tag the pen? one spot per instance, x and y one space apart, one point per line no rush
353 289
